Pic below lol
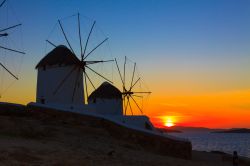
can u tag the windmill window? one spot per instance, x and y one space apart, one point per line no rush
42 101
94 100
147 126
44 67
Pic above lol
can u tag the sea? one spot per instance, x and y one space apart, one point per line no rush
225 142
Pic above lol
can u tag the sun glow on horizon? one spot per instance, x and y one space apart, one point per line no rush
169 121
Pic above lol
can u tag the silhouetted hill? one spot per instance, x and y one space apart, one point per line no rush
194 129
241 130
168 130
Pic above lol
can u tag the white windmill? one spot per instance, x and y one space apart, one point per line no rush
63 77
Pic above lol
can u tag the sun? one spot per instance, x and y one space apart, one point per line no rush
169 124
168 121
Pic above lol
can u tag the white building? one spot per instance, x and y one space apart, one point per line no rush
107 100
59 73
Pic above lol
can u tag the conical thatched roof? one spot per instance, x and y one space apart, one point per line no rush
106 91
59 55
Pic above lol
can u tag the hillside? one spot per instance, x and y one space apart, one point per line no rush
242 130
194 129
29 137
167 130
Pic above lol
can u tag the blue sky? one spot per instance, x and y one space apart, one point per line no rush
179 40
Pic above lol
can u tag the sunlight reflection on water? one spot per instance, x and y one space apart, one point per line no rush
218 141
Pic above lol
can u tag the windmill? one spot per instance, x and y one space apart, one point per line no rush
84 65
128 92
4 33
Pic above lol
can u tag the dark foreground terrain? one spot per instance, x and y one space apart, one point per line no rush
30 137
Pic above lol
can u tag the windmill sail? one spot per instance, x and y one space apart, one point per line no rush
11 51
130 94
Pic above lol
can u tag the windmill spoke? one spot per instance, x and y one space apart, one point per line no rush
4 34
51 43
90 80
136 104
137 96
79 33
119 72
132 77
93 62
126 106
85 47
124 70
14 26
2 3
130 107
86 86
123 102
9 71
76 81
135 83
99 74
95 48
143 92
65 36
9 49
64 79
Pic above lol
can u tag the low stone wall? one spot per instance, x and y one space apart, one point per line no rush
12 109
150 142
155 143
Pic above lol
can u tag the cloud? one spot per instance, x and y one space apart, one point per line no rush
245 106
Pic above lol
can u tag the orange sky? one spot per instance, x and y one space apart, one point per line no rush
214 110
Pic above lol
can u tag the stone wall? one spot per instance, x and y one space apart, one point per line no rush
155 143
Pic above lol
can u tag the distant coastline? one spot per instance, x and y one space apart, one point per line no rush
166 130
241 130
182 129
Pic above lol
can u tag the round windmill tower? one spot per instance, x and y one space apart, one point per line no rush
63 75
107 100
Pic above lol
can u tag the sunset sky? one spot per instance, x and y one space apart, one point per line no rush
194 55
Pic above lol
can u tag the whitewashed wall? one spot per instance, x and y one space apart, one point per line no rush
107 106
49 79
136 120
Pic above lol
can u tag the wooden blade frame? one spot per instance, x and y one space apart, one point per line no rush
64 34
85 47
2 3
99 75
127 94
95 48
64 79
51 43
9 71
11 27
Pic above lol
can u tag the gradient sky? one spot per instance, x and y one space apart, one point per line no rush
194 55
